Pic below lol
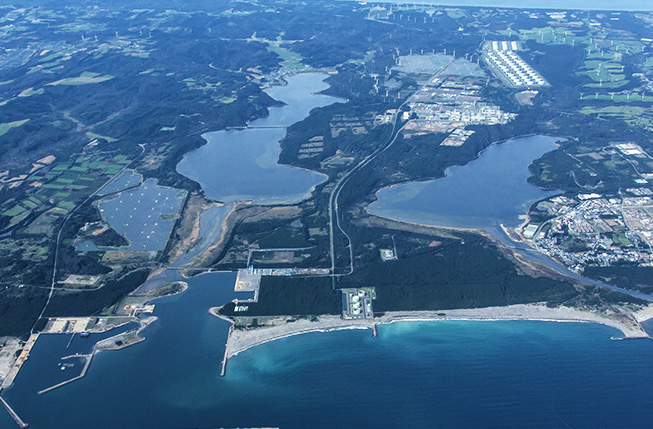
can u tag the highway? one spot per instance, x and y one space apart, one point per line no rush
334 218
56 246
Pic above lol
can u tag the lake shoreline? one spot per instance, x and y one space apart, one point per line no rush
452 172
285 184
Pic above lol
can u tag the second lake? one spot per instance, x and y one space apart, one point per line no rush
489 190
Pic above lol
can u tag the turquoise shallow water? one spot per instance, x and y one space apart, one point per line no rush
415 374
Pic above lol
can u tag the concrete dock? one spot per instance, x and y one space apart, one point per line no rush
24 355
12 413
88 357
223 371
72 337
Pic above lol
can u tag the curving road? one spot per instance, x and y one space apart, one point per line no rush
334 219
56 246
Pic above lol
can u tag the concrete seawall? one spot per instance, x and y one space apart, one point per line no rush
12 413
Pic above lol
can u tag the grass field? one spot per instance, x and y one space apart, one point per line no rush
637 116
618 97
290 60
455 13
81 80
5 127
56 190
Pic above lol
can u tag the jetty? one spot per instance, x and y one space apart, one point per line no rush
88 357
72 337
12 413
223 371
374 330
24 355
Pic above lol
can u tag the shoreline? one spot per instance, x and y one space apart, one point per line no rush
242 339
132 337
558 141
478 231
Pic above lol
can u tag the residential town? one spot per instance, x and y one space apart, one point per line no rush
593 229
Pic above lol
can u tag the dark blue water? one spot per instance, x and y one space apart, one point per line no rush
415 374
44 364
489 190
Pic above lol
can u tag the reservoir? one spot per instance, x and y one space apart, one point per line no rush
414 374
241 165
144 215
487 191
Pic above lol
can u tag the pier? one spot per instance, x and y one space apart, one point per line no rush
374 330
223 371
72 337
24 355
12 413
643 337
89 358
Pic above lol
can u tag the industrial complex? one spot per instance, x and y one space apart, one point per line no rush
509 66
357 303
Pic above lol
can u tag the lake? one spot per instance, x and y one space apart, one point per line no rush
489 190
241 165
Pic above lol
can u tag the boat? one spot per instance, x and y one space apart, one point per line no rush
84 334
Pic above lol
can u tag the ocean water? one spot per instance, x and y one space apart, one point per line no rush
415 374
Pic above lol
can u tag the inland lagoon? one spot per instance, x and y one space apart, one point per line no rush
489 190
241 165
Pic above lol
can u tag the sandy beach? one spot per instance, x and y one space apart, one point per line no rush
281 327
